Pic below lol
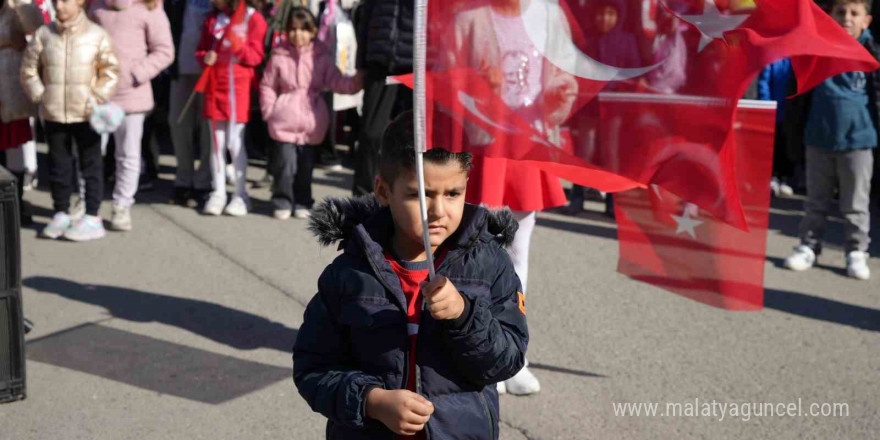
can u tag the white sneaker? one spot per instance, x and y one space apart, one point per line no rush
120 218
86 228
524 383
301 212
335 168
803 258
785 190
281 214
857 265
774 186
502 389
237 207
215 204
57 227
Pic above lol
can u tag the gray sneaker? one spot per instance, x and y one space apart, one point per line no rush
85 229
120 218
57 227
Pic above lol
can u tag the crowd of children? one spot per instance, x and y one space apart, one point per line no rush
84 58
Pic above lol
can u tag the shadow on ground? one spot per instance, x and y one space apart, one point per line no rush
158 365
234 328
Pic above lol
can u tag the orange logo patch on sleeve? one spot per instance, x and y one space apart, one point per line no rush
522 302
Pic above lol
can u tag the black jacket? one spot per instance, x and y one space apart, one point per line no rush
354 333
385 30
797 109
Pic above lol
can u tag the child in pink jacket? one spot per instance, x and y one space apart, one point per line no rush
295 111
141 36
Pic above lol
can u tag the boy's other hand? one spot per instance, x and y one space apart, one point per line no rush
210 58
443 299
402 411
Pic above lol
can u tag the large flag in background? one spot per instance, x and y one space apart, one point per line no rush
670 243
519 79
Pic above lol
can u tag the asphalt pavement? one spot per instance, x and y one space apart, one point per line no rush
182 329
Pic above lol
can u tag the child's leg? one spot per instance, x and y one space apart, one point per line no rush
821 182
128 159
238 156
218 158
306 156
519 249
855 169
283 166
60 164
88 143
182 133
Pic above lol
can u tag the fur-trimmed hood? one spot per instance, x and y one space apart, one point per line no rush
335 220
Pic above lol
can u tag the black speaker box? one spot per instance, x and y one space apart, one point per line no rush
12 361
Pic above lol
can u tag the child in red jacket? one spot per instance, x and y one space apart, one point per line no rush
232 57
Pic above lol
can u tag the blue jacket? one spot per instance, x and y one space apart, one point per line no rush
839 119
800 108
773 84
354 334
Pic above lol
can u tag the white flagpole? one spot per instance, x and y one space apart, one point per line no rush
419 64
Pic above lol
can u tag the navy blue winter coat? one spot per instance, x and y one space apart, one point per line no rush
354 333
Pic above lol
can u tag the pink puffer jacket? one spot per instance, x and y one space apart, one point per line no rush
290 92
142 40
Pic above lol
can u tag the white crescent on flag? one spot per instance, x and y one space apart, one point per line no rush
560 50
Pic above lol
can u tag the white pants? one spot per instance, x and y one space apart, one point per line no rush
229 136
128 158
519 249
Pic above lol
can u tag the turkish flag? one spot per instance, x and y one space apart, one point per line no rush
523 80
672 244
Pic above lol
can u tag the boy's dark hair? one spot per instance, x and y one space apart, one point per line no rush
867 3
398 153
301 18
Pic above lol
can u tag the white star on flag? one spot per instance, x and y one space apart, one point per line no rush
686 224
712 24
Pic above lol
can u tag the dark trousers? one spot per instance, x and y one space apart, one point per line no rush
292 167
381 104
156 126
783 165
60 138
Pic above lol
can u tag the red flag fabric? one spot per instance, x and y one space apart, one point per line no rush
519 79
670 243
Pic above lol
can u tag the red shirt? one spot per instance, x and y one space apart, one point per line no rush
411 275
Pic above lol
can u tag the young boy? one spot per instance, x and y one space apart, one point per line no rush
841 117
383 350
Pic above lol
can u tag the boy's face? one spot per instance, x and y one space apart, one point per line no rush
66 10
851 16
444 190
605 19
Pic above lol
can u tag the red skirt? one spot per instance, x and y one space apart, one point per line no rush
497 183
14 133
